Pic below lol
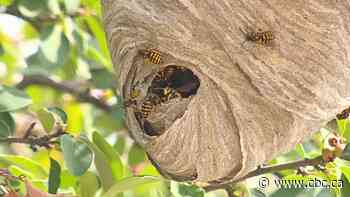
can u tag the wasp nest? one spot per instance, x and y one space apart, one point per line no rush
253 101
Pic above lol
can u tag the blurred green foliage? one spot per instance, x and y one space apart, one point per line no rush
64 40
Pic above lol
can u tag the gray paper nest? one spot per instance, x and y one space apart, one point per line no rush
254 101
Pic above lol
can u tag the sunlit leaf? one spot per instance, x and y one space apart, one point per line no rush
7 124
130 183
92 5
112 156
5 2
54 176
12 99
149 170
54 7
89 184
47 119
67 180
75 118
36 92
93 54
300 150
77 155
29 32
26 164
97 29
55 45
72 5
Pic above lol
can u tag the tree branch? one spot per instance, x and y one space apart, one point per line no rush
83 96
268 169
43 141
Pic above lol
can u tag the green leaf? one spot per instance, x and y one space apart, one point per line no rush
119 146
102 166
345 190
76 118
28 31
102 78
300 150
55 45
60 113
346 153
54 176
26 164
185 190
77 155
5 2
130 183
47 119
88 184
32 8
256 193
12 99
54 7
39 64
7 124
136 155
67 180
98 31
5 130
112 156
93 54
72 5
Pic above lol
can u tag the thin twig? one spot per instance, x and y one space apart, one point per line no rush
267 169
83 96
29 130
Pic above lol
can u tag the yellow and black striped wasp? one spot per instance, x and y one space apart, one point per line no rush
259 37
153 55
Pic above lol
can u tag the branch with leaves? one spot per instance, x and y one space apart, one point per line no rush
71 88
45 141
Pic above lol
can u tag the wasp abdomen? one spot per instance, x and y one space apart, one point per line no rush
261 37
146 108
153 55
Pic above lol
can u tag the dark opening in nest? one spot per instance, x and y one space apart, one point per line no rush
178 78
171 82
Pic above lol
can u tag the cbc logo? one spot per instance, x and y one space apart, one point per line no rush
264 182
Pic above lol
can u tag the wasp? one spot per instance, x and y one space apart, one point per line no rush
169 93
165 73
132 101
260 37
153 55
148 105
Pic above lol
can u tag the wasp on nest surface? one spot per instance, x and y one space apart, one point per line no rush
259 37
